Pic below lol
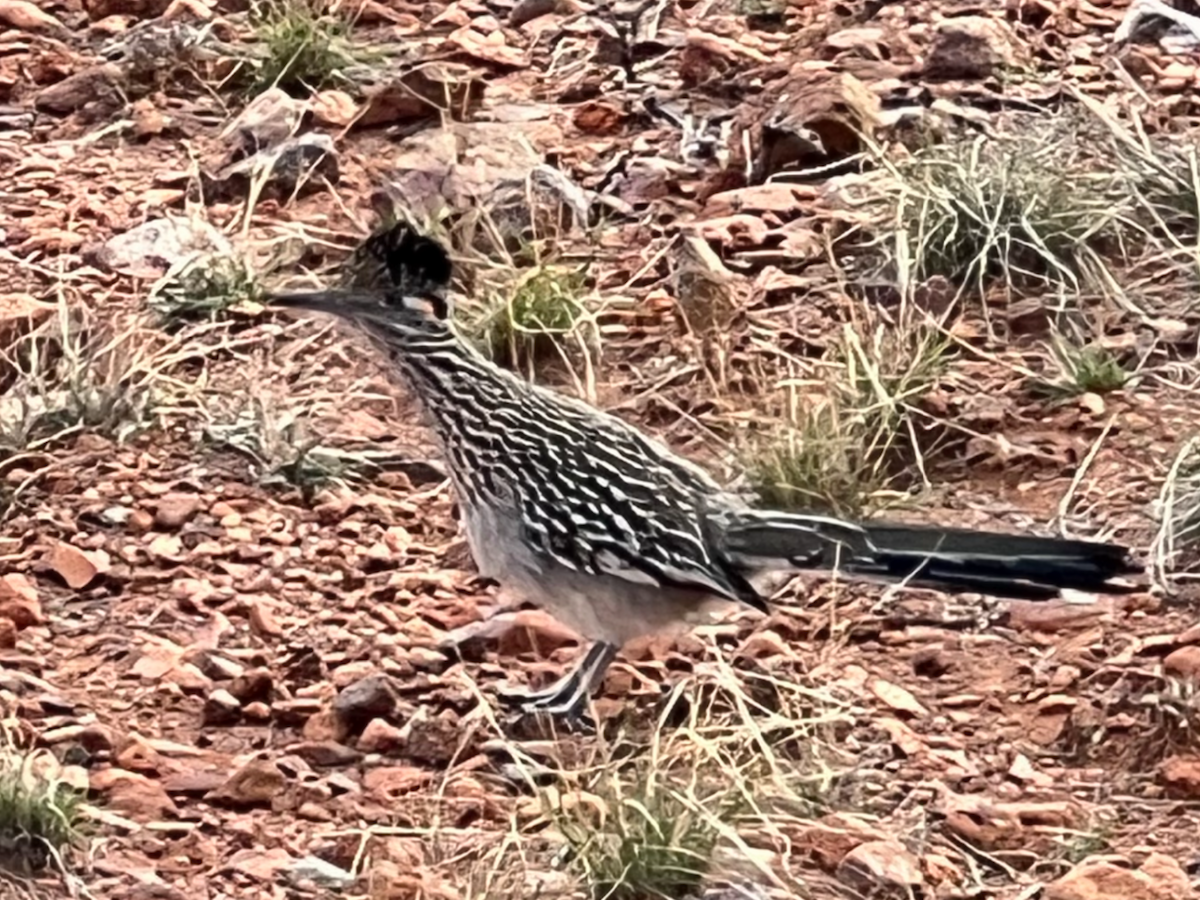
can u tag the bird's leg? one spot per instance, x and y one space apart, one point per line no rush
569 695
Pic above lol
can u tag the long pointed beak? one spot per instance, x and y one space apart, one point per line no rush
343 303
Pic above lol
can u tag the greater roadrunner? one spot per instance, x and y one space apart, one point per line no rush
581 514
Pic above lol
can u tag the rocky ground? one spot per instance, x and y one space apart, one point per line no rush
926 260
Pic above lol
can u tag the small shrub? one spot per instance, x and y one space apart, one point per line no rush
1080 369
1028 210
541 306
40 816
205 290
305 48
859 432
76 374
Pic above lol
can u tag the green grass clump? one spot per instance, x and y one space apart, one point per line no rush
540 306
205 290
858 431
40 816
304 47
1076 369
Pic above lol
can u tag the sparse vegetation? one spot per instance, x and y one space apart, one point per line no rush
177 610
1163 176
204 290
1022 211
764 13
1079 846
529 314
79 373
1142 720
855 428
1176 545
729 763
1075 369
40 815
277 440
647 834
305 47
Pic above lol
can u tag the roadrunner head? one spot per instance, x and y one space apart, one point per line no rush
410 303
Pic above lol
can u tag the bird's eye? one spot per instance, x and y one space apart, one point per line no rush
438 307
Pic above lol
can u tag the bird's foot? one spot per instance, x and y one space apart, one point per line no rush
567 698
525 697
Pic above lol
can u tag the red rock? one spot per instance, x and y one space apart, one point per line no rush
323 726
255 684
134 796
174 510
188 679
257 711
1184 662
366 699
255 784
134 754
381 736
141 520
96 739
433 739
1057 615
510 634
195 782
595 117
326 753
261 865
387 783
74 566
828 840
263 621
881 866
156 661
1181 776
221 708
1159 878
19 601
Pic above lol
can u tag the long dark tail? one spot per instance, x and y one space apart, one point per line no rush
949 559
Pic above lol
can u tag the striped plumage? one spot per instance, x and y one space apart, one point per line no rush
580 513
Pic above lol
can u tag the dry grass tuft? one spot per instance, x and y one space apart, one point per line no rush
1047 205
40 815
80 372
1028 211
1162 175
735 763
275 436
304 47
853 430
1176 546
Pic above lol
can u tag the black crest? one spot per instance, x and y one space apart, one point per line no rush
416 265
